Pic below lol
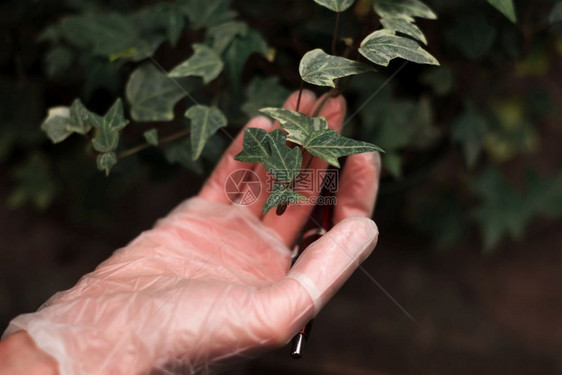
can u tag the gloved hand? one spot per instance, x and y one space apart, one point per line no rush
211 281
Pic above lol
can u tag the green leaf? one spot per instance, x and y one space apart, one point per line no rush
335 5
470 130
440 79
403 9
205 121
180 153
297 125
82 120
506 8
263 92
404 26
206 13
472 34
319 68
284 163
256 148
204 63
280 195
107 137
151 136
329 146
238 52
152 94
57 124
382 46
221 35
393 163
106 161
101 34
502 210
270 149
170 18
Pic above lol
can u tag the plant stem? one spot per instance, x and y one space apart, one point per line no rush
335 34
144 146
300 95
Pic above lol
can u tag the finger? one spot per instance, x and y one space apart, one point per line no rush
317 275
290 223
359 185
306 106
213 189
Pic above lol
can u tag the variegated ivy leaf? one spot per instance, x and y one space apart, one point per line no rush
205 121
280 195
152 94
204 63
506 8
108 126
271 150
319 68
297 125
403 8
221 35
151 136
61 122
335 5
206 13
382 46
329 146
106 161
404 26
284 163
256 148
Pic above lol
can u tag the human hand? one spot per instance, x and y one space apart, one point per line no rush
211 281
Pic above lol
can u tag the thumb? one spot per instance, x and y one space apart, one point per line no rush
320 272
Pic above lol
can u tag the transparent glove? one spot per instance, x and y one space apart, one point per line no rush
211 281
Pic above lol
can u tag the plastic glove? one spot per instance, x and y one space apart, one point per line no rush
211 281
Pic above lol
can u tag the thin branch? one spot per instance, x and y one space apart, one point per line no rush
335 34
144 146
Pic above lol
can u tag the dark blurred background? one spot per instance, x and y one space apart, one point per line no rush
469 208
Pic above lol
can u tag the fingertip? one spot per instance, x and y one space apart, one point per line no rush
334 110
259 121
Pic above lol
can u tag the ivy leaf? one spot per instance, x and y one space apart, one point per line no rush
106 161
280 195
297 125
382 46
263 92
238 52
220 36
82 120
102 34
151 136
205 121
170 18
152 94
256 148
506 8
270 149
180 153
283 163
204 63
108 128
335 5
502 210
329 146
470 130
404 26
207 13
403 9
57 124
555 15
319 68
